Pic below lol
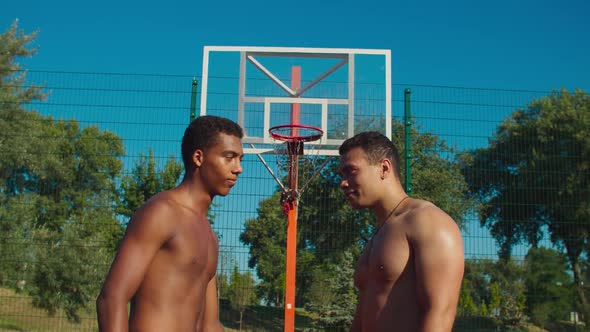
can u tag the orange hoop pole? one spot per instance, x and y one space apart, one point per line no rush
291 265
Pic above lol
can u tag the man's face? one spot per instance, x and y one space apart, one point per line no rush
222 164
358 178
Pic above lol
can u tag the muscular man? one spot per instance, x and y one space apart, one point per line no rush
166 263
409 275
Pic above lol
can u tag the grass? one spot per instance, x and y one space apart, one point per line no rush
7 325
263 319
483 324
18 314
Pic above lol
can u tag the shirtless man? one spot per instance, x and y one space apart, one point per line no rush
409 275
166 263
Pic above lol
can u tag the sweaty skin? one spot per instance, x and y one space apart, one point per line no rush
165 266
409 275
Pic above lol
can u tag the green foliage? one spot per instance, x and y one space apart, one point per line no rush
475 286
331 296
495 290
549 288
242 290
507 301
513 176
224 263
535 175
16 224
57 188
64 196
15 44
145 181
15 124
495 298
266 236
467 306
222 287
69 268
512 306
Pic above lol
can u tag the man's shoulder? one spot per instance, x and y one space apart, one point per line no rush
425 218
159 208
162 202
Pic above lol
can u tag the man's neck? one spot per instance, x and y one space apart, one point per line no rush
391 205
193 196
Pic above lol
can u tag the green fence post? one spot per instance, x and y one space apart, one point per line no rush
193 114
408 141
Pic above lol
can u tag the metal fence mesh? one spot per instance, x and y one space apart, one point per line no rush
149 114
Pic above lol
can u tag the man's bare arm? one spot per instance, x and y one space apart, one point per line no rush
146 233
356 321
211 315
439 263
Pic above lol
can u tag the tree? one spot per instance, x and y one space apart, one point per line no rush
242 291
328 226
535 175
222 287
69 268
68 222
475 289
467 306
225 262
267 238
496 290
145 181
507 301
549 288
57 188
332 295
14 44
16 223
15 125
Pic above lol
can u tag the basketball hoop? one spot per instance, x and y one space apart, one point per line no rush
296 133
298 162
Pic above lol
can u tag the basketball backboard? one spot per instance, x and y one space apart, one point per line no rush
341 91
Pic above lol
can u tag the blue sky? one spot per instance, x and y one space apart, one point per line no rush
525 44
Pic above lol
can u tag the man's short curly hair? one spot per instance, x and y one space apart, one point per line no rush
203 132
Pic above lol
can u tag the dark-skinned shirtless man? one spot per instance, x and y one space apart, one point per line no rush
409 275
166 264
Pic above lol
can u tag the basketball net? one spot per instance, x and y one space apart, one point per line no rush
297 163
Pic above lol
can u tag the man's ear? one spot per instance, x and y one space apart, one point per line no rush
198 158
386 168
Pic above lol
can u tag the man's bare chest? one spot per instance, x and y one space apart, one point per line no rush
192 249
385 259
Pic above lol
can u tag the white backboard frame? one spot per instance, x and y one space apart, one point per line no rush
346 57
